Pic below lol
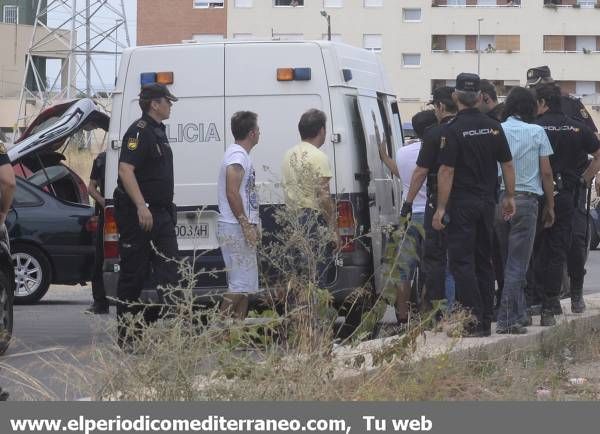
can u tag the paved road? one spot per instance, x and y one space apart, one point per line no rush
56 333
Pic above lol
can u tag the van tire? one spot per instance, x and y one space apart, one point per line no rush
39 269
353 313
6 312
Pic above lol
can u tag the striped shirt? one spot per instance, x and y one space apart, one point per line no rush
527 142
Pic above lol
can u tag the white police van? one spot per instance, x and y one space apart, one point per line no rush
278 81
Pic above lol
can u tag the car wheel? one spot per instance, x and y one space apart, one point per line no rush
32 273
6 312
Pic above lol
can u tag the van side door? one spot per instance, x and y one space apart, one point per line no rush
382 200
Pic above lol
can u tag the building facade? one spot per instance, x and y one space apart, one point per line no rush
174 21
426 43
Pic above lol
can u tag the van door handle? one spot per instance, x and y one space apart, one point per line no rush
363 176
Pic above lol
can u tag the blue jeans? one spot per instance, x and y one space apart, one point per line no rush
516 243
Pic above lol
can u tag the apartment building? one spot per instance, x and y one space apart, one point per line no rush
174 21
426 43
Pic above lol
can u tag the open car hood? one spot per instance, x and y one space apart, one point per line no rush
50 129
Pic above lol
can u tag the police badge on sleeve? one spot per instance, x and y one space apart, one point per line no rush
132 144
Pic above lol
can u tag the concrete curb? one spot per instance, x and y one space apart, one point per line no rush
358 360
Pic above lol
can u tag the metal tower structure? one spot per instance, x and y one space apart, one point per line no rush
77 33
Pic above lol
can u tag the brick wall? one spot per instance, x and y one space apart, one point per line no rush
170 22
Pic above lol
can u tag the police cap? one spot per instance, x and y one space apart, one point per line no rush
442 94
156 91
467 82
540 74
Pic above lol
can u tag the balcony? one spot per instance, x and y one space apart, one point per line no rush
488 44
572 4
476 3
581 44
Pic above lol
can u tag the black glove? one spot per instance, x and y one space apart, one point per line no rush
406 210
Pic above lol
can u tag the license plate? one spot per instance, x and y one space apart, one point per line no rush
190 231
196 232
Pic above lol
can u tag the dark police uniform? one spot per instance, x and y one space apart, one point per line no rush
473 144
435 248
577 256
146 147
98 293
570 140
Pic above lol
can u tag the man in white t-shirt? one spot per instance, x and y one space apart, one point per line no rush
407 253
237 230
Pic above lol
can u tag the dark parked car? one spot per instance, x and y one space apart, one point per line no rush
7 290
51 224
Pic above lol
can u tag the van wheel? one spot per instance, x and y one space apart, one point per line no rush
353 313
32 273
6 312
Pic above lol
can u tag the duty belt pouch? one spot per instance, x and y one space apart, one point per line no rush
558 183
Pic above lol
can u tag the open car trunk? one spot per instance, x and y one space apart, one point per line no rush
38 154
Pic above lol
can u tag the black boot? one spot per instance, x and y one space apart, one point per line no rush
547 318
577 301
98 308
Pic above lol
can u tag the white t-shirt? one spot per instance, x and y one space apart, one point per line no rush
235 154
406 160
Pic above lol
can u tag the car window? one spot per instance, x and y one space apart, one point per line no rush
24 197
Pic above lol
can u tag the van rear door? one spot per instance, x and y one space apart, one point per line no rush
196 130
382 200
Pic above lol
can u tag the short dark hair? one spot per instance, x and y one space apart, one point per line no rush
487 87
145 105
242 123
550 93
311 123
520 102
467 98
423 120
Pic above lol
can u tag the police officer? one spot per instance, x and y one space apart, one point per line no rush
578 251
570 140
435 245
489 101
472 145
144 207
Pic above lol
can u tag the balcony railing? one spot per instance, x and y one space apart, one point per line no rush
583 5
484 51
513 4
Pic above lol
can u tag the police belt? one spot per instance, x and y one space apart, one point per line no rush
123 199
564 182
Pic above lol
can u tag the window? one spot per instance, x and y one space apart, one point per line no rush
456 43
242 36
11 14
373 42
411 15
411 60
334 3
585 88
336 37
373 3
587 3
487 3
203 5
586 43
289 36
487 43
292 3
243 3
457 2
207 37
24 197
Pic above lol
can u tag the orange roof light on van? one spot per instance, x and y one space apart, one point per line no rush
285 74
164 77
